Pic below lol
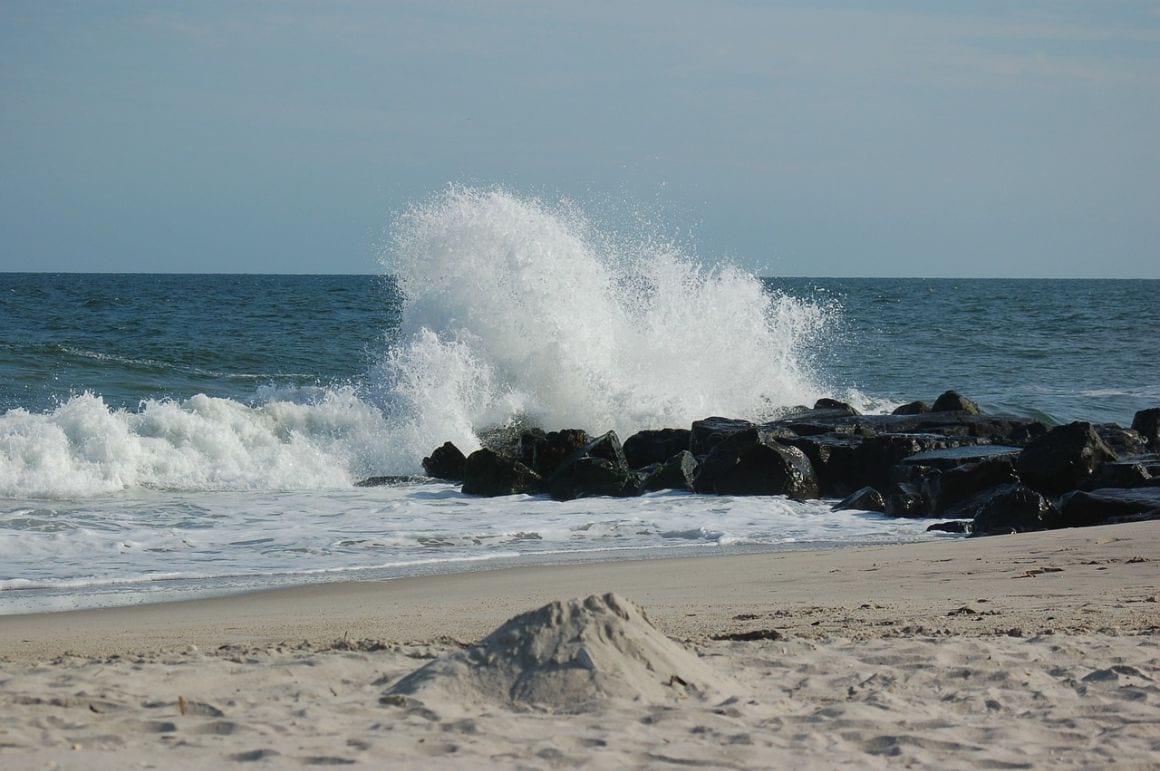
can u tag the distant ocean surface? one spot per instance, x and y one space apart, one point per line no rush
171 436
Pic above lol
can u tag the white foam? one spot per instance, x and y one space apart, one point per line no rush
520 310
514 310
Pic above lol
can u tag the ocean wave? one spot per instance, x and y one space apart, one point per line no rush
515 311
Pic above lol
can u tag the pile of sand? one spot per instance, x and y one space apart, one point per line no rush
567 656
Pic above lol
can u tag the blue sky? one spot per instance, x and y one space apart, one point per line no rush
800 138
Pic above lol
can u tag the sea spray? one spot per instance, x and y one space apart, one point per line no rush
514 311
520 311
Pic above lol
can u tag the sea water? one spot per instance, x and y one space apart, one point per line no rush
171 436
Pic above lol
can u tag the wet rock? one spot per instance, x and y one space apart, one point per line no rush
905 500
1109 505
1126 473
953 401
865 499
599 468
488 473
1122 441
655 446
1147 424
1010 508
912 408
445 462
877 455
835 405
677 473
544 452
954 526
950 457
753 462
833 459
707 433
392 480
1062 459
955 485
971 429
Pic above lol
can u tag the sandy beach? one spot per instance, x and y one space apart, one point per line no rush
1032 650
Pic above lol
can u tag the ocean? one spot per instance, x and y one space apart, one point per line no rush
175 436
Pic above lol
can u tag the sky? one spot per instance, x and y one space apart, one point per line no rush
806 138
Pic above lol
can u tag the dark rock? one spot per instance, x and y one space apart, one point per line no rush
912 408
1109 505
865 499
445 462
1125 473
1062 459
1147 424
589 477
752 462
677 473
504 439
488 473
951 457
708 432
955 485
833 459
543 453
906 500
972 429
952 401
645 447
1122 441
599 468
1006 509
393 481
877 455
954 526
835 405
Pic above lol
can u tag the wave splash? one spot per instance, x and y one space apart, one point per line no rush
515 311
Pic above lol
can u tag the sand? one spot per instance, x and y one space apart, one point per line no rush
1036 650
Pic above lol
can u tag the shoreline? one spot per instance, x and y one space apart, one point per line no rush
1002 652
1068 580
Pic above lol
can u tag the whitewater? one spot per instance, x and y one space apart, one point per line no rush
165 437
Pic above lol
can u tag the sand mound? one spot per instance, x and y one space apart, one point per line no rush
567 656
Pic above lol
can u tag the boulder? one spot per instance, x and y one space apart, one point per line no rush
392 480
906 500
833 459
677 473
1006 509
708 432
543 453
949 488
655 446
954 526
877 455
599 468
1122 441
912 408
488 473
953 401
1062 459
865 499
1147 424
445 462
1126 473
753 462
835 405
951 457
972 429
1109 505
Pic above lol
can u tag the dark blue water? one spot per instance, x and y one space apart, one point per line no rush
1060 349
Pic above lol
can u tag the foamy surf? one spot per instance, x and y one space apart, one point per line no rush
515 310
